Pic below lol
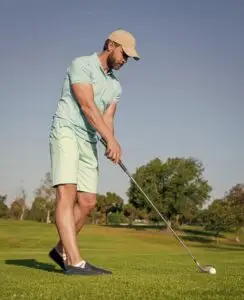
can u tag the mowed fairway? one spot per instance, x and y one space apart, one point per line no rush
146 264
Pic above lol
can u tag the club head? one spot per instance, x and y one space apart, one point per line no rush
207 269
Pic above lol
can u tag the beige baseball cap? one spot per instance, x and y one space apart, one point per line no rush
127 41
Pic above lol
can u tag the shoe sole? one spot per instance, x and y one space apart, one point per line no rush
82 274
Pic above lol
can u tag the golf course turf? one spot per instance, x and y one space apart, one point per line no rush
146 264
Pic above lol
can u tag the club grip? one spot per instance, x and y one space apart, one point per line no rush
102 140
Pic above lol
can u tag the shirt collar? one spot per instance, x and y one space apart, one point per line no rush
98 63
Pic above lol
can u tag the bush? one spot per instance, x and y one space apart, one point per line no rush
116 218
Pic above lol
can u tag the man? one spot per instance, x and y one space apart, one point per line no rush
87 106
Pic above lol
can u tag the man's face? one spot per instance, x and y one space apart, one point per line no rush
116 58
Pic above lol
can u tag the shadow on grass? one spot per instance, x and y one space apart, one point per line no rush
210 243
193 232
222 247
136 227
198 239
33 264
201 232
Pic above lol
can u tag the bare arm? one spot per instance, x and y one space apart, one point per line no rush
108 116
85 97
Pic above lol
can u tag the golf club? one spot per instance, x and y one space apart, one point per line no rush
206 269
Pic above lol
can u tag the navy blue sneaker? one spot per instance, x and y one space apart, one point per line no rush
97 269
57 258
85 271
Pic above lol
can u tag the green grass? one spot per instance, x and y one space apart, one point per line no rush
146 264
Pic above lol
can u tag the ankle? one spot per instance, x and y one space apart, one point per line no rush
60 249
74 262
80 264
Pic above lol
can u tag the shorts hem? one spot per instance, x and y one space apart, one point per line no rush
86 191
63 182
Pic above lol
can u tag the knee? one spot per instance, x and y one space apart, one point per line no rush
87 201
66 194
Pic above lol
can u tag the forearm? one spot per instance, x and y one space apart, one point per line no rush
85 97
109 123
96 119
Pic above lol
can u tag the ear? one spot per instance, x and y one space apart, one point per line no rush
111 46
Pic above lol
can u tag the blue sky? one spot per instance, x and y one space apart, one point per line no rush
185 97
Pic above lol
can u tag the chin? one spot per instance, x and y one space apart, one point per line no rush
117 67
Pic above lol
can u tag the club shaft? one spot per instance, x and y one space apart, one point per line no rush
123 167
162 217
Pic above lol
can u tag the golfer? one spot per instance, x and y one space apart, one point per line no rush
87 106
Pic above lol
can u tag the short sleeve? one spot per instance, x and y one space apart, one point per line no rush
79 71
118 92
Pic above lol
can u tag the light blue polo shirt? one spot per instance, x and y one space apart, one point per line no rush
107 88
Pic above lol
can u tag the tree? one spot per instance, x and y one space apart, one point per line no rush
108 203
3 207
219 217
38 211
47 193
18 207
172 186
235 199
114 204
142 214
130 212
190 213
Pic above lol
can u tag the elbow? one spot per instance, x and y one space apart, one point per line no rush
86 109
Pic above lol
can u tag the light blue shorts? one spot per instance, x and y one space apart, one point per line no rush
73 159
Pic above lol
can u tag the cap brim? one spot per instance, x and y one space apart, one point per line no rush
131 52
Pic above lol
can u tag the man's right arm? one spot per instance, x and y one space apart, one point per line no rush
85 97
81 83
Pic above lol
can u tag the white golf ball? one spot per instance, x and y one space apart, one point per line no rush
212 271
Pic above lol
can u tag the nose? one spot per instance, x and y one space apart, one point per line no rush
124 60
124 57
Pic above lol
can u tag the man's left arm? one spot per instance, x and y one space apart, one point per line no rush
109 114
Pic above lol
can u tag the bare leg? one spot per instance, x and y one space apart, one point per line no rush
65 222
86 202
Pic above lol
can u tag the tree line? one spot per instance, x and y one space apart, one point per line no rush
176 186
